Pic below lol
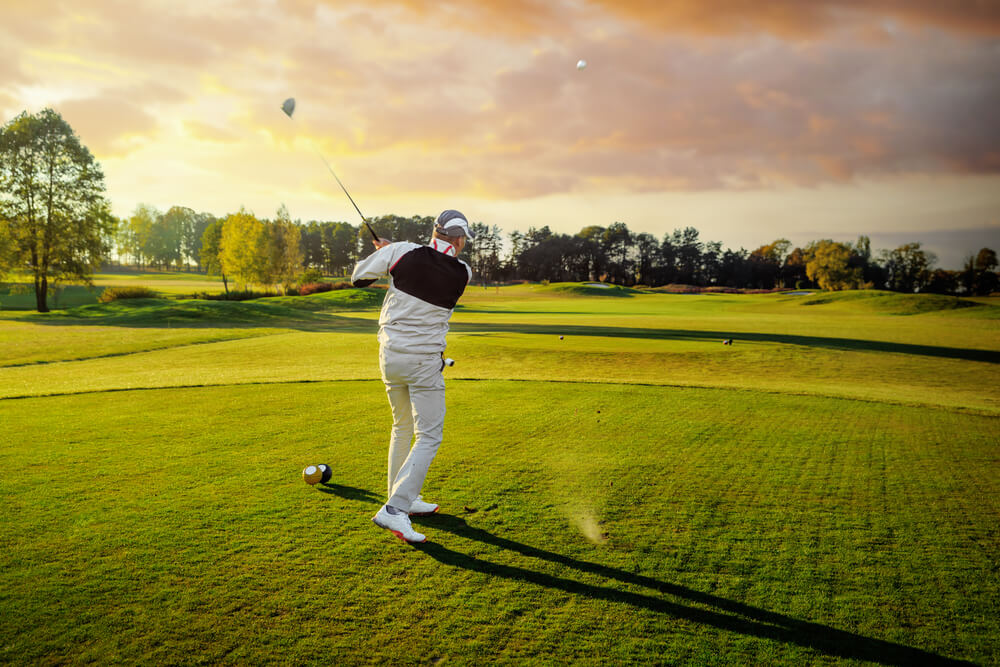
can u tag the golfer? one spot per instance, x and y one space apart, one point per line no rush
425 283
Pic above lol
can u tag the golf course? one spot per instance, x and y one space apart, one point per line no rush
617 486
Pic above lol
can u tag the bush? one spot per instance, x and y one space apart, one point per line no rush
309 276
313 288
245 295
117 293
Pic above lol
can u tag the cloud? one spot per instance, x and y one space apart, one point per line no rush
211 133
784 18
484 97
110 126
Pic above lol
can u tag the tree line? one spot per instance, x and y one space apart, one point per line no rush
56 226
279 252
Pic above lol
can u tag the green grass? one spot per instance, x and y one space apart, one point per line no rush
825 490
21 296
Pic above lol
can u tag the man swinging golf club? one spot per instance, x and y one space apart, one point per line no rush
425 283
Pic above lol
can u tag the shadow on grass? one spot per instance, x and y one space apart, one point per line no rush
255 315
855 344
349 492
727 615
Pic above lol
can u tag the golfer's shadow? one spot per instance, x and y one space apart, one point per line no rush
725 614
349 492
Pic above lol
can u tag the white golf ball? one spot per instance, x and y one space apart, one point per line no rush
580 64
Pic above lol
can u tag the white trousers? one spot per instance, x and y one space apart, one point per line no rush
415 387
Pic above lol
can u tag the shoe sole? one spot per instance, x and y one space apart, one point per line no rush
436 510
398 534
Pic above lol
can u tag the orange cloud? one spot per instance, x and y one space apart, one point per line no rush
794 18
525 19
484 97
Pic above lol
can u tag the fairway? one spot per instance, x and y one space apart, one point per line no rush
616 485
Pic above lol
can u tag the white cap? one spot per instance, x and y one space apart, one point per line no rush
453 223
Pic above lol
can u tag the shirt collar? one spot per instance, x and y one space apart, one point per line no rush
444 247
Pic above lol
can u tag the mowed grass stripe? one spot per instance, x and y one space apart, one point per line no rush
172 525
26 344
289 356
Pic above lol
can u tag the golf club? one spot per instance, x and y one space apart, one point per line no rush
288 106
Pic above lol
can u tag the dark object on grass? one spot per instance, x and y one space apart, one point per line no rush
327 472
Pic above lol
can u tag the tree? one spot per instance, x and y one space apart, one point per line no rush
340 248
484 252
138 232
908 268
194 230
285 251
617 242
211 243
166 243
766 263
8 249
978 275
647 249
416 229
793 273
711 263
52 199
828 265
734 268
517 245
593 252
942 282
243 250
686 249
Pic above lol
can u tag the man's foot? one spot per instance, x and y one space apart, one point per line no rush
398 525
420 508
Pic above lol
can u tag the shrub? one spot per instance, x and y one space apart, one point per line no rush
313 288
245 295
309 277
117 293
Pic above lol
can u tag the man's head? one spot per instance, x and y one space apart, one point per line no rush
452 227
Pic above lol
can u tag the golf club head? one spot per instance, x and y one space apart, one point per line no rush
288 106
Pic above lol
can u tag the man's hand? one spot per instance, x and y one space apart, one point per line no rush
381 243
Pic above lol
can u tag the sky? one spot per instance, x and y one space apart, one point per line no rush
750 120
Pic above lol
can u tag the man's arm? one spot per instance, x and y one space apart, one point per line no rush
372 267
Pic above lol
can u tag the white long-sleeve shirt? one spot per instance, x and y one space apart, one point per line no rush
425 283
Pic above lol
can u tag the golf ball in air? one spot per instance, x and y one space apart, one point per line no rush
580 64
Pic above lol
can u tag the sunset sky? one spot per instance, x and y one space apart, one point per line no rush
749 120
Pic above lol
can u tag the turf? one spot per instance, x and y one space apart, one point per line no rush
825 490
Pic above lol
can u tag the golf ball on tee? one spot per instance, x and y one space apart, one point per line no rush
580 64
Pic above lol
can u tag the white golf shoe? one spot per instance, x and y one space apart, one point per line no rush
398 525
420 508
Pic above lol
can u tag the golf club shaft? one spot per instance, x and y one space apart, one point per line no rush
334 174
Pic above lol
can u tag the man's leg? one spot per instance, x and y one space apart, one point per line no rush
427 399
402 428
